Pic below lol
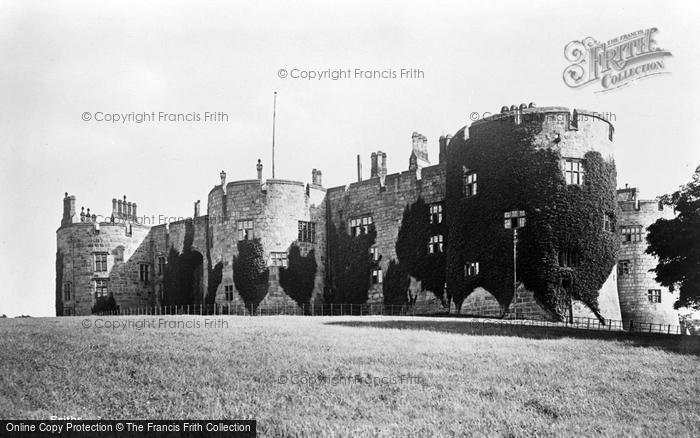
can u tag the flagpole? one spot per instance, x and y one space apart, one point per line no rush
274 117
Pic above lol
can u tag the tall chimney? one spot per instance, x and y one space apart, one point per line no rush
382 163
223 178
133 211
319 181
68 209
260 168
374 170
196 208
359 168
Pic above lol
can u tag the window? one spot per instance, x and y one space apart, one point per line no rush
361 225
278 259
436 213
514 219
469 183
376 276
307 232
573 171
568 258
228 292
631 233
100 287
101 262
435 244
623 267
143 272
245 229
374 253
654 295
161 265
160 292
66 292
608 222
471 269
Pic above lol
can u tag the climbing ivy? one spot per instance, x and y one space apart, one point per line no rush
396 284
298 278
250 273
182 272
351 266
514 175
59 283
412 248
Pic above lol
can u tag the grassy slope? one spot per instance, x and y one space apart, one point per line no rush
479 384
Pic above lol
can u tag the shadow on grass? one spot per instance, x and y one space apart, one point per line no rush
673 343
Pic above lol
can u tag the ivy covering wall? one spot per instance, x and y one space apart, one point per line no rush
250 273
396 286
412 248
298 278
59 283
351 266
514 175
183 273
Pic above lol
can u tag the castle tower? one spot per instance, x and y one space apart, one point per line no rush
642 299
530 200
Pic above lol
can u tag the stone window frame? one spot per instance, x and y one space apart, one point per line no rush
377 276
567 258
631 233
161 264
246 229
101 288
144 274
608 223
654 296
279 258
624 267
67 291
374 252
307 232
361 225
469 182
100 258
436 215
435 244
574 171
471 269
228 292
514 219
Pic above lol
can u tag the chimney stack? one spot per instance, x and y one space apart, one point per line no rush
223 178
68 209
374 169
196 208
260 168
359 168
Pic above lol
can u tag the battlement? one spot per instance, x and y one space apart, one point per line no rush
562 117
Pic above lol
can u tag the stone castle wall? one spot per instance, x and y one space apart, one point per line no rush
385 198
79 242
634 286
275 208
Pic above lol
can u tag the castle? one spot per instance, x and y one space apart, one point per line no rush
484 226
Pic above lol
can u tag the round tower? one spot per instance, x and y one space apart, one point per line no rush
531 213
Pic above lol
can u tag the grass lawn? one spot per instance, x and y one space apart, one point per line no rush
350 376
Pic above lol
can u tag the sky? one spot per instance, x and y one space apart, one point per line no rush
59 60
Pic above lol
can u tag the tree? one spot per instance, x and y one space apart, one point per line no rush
250 273
676 243
298 278
396 284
